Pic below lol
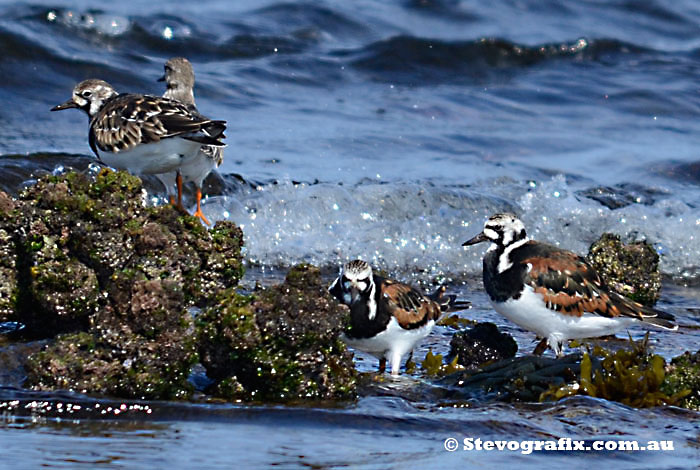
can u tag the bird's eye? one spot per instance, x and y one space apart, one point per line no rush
86 94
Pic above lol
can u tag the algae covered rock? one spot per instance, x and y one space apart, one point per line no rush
87 243
630 376
683 376
482 343
117 363
280 344
8 259
631 269
117 278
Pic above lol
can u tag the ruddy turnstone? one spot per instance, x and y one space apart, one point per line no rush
140 133
553 292
179 82
387 318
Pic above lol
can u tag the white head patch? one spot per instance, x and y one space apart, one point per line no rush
358 274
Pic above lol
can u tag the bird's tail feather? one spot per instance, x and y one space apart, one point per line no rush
448 303
646 314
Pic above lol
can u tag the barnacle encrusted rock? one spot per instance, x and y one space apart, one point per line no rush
117 362
631 269
114 279
280 344
85 244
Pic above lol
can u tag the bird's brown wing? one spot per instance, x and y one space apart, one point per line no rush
129 120
571 286
410 308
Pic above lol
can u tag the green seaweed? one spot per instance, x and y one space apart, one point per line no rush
629 376
434 366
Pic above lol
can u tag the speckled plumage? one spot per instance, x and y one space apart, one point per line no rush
141 133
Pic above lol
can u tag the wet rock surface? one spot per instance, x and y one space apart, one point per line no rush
522 378
631 269
279 344
481 343
8 259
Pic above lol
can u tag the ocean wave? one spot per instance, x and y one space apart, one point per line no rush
422 61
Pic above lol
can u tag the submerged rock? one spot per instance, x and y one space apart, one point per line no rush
482 343
279 344
631 269
516 379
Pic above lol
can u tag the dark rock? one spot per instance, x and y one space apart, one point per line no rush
280 344
623 195
630 269
522 378
482 343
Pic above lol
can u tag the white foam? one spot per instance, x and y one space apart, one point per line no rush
409 228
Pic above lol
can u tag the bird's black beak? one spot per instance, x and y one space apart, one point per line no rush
161 79
355 294
478 239
68 104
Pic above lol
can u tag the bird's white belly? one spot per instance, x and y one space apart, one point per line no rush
196 169
531 313
157 157
393 340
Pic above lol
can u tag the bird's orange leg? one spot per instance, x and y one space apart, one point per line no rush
179 205
198 212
